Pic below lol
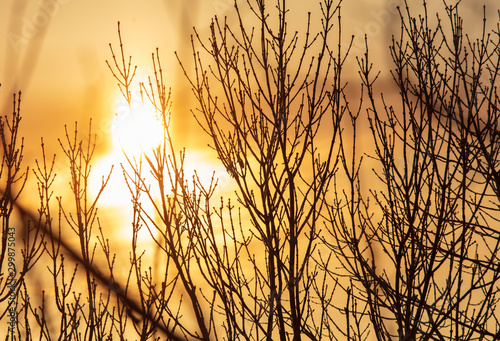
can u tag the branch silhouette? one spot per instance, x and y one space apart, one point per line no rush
114 285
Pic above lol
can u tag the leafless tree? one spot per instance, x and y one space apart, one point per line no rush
424 259
307 249
263 95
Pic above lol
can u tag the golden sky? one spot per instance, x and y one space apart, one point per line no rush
55 52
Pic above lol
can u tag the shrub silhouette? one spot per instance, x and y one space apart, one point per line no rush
311 249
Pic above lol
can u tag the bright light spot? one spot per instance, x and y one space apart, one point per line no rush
136 128
136 131
207 170
117 195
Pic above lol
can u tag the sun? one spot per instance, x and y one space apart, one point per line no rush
136 128
135 131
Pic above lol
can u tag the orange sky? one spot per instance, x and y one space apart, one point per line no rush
56 55
55 52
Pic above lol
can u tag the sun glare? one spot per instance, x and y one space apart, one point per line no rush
136 129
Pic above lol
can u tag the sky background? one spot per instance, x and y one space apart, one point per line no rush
55 52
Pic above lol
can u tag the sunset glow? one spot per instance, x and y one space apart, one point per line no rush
250 170
136 129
